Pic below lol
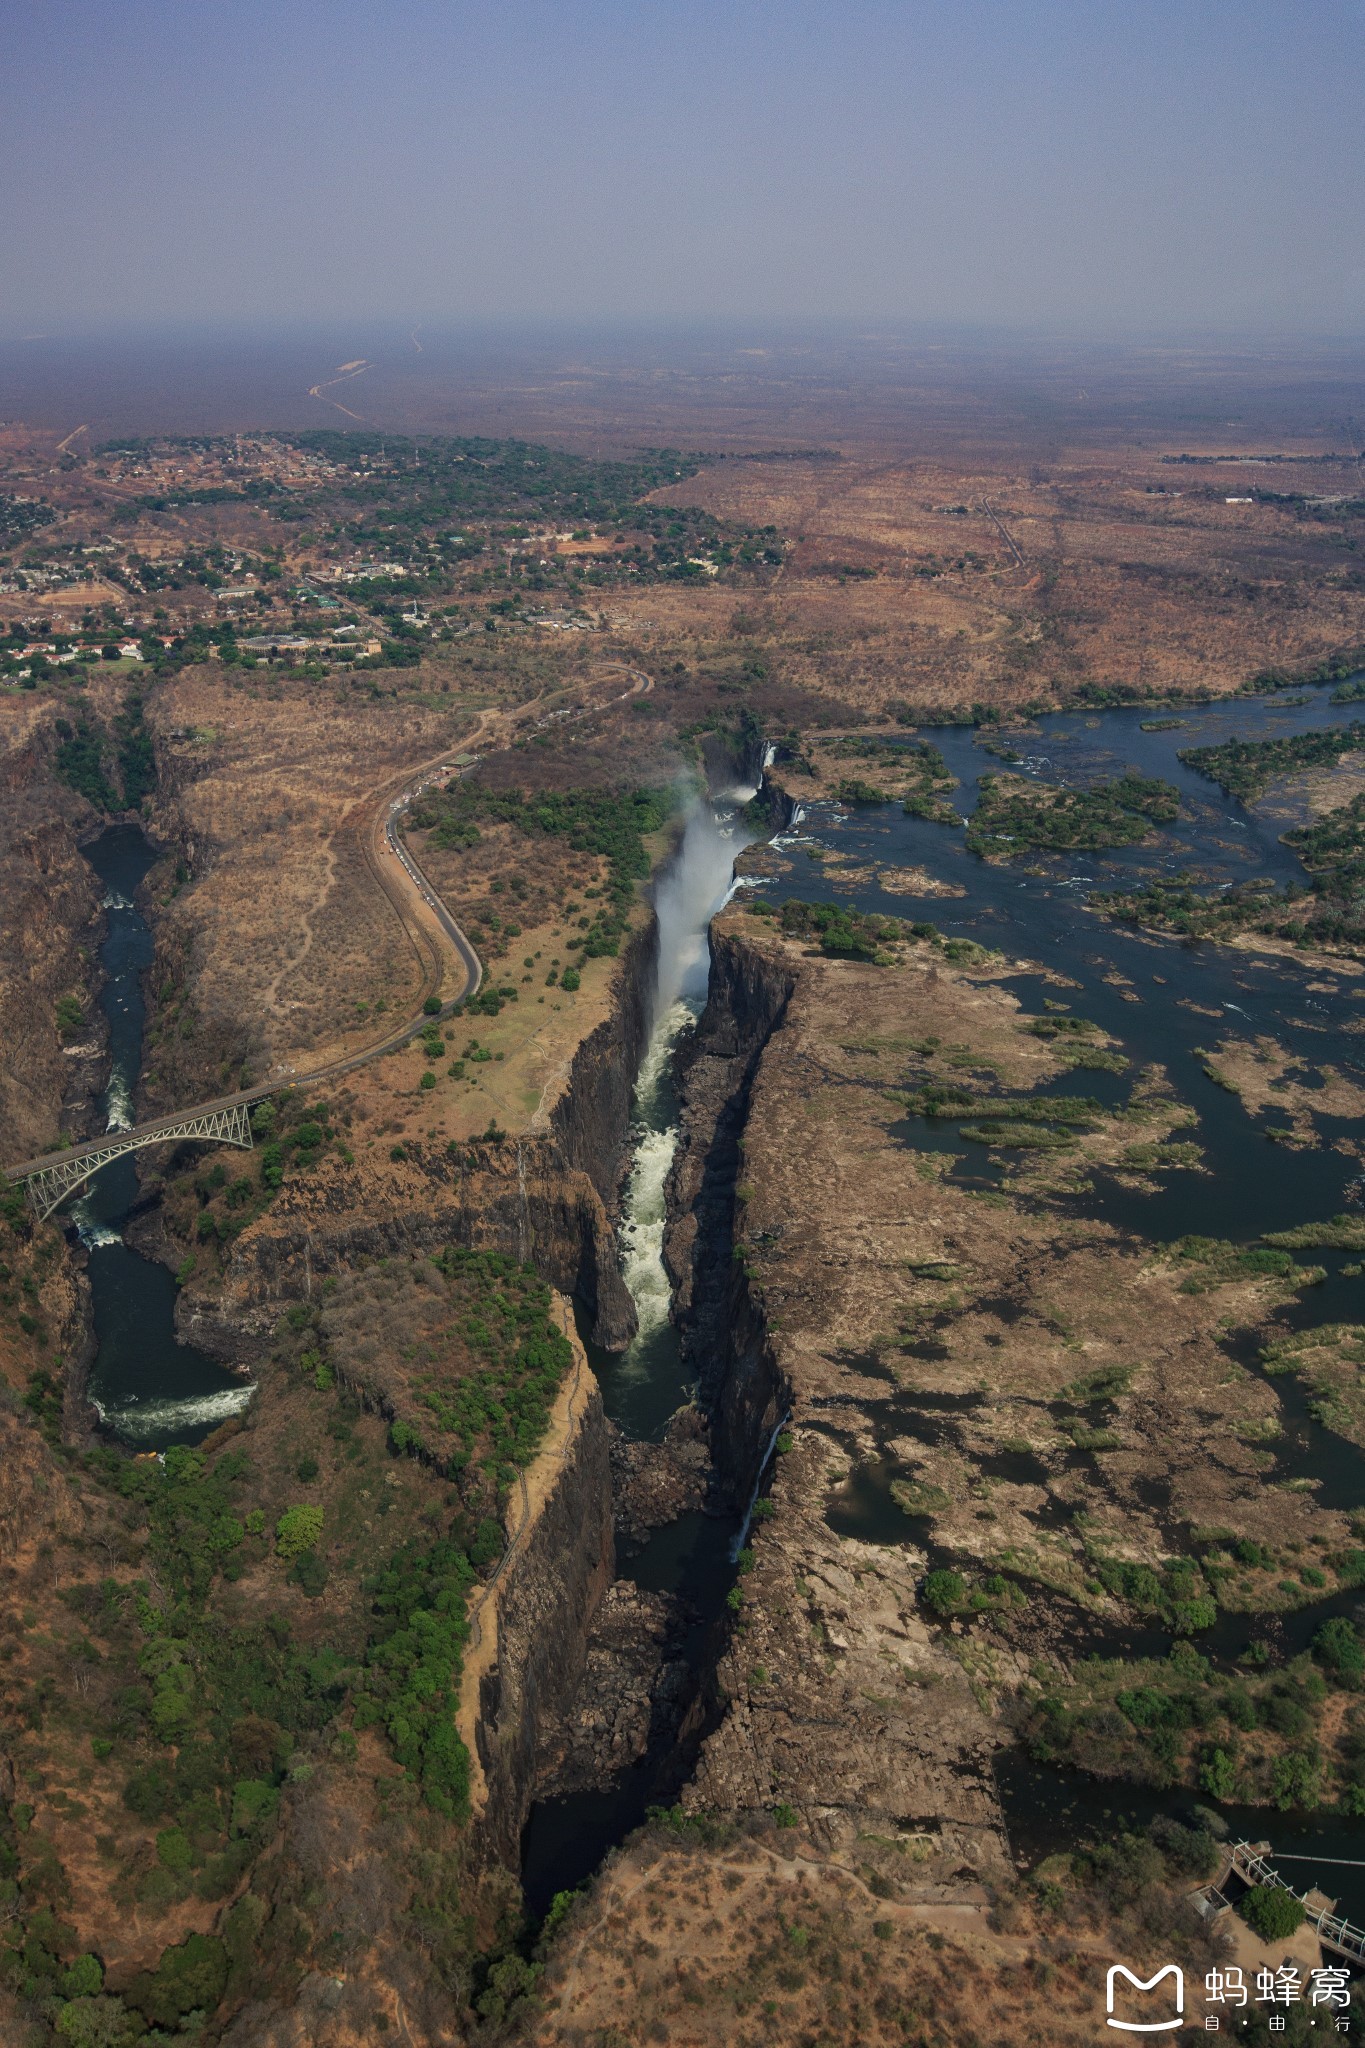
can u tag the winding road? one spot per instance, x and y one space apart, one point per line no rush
435 936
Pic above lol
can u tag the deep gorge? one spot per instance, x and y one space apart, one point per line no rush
170 1365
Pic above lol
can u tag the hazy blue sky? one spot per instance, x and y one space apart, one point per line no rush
1115 165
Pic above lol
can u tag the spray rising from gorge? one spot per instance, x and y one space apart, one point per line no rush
687 1559
688 896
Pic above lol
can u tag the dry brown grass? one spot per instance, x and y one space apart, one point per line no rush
888 596
282 945
766 1940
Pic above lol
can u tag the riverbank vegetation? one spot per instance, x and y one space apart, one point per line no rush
1207 1262
845 933
1013 814
1245 769
236 1617
1259 1734
913 773
840 931
1329 911
1330 1361
943 1100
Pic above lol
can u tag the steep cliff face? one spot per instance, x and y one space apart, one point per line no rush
779 806
590 1117
521 1202
724 1338
835 1692
529 1642
48 934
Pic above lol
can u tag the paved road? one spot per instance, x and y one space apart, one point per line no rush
469 959
1003 531
385 855
383 829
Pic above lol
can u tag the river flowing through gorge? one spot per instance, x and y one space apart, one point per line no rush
691 1558
1169 1004
148 1388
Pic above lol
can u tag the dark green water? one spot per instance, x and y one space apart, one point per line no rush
153 1390
150 1389
1188 995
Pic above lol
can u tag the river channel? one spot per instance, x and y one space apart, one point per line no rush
149 1388
1166 1001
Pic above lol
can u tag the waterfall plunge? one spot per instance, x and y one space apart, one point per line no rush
694 888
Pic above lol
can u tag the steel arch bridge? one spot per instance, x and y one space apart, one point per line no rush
48 1181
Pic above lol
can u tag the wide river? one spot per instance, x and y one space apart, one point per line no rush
153 1390
1166 1001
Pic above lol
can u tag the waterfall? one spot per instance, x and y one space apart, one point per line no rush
763 1465
688 896
643 1218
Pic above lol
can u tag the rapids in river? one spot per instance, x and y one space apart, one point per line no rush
1167 1001
149 1388
646 1384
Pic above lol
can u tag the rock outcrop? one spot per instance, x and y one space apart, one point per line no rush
636 1689
47 950
530 1632
741 1385
833 1693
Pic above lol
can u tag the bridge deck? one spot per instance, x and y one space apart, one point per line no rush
1332 1931
114 1143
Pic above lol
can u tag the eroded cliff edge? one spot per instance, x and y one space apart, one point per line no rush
545 1195
832 1695
530 1631
1006 1418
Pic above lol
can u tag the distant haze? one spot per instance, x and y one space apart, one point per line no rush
1092 168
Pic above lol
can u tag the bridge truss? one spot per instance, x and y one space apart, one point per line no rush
49 1181
1332 1931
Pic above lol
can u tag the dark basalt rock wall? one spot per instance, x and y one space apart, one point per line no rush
547 1198
591 1120
724 1338
522 1203
547 1604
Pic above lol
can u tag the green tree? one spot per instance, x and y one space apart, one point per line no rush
189 1978
173 1850
1274 1914
1338 1646
508 1981
84 1978
298 1529
1296 1778
253 1803
944 1590
97 2023
1218 1775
